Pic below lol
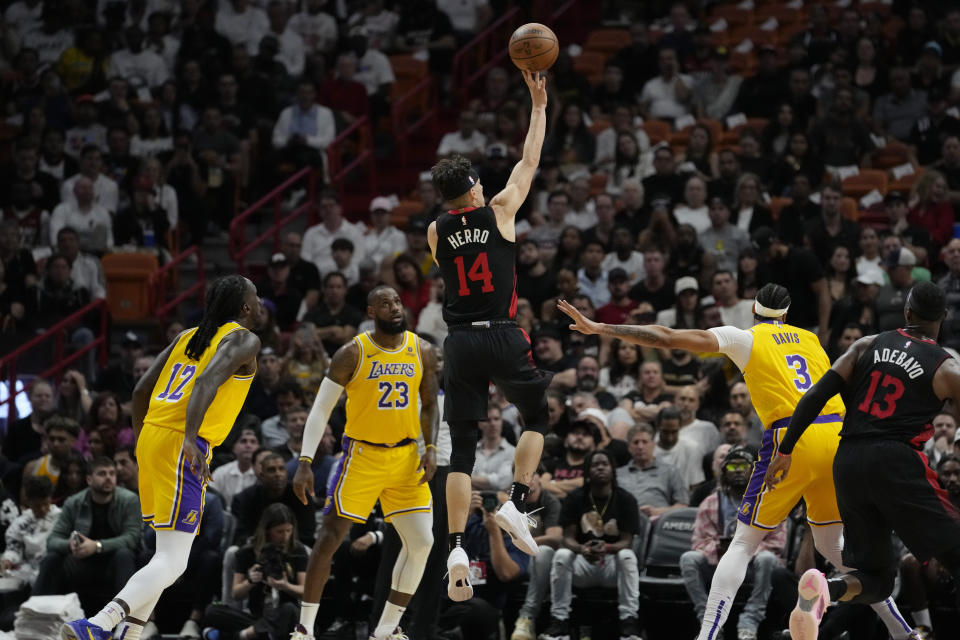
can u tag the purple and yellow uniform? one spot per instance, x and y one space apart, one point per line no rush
171 495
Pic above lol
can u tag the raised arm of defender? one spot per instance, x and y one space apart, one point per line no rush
648 335
506 203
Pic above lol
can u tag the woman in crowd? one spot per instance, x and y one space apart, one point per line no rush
693 209
799 157
571 141
776 135
840 273
931 208
700 153
627 162
749 212
569 249
869 250
414 290
306 360
73 479
868 76
620 375
73 397
106 419
748 274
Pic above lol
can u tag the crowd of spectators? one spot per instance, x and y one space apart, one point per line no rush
674 182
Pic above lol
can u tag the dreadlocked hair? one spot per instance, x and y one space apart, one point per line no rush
772 296
224 302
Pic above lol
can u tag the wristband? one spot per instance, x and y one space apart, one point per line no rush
781 454
431 445
99 547
306 459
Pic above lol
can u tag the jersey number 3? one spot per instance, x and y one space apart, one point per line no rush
479 272
799 365
894 389
185 374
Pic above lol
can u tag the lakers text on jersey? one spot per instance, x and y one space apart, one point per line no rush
380 455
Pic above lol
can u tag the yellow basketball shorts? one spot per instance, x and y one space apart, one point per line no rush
368 472
171 495
810 477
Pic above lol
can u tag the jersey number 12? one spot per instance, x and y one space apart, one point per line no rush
479 272
185 374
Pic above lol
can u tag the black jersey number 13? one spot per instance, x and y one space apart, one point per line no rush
885 406
479 272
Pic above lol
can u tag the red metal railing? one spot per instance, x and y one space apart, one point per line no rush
238 245
162 278
58 334
358 135
484 52
422 96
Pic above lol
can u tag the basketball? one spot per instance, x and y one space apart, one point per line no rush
534 47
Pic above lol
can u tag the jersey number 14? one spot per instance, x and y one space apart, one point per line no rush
479 272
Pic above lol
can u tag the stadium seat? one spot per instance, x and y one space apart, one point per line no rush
598 183
600 124
850 208
743 63
892 155
590 64
402 212
657 130
905 184
864 182
733 14
128 293
607 41
408 71
777 204
781 13
754 34
669 539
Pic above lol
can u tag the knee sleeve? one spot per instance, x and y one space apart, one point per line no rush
535 418
463 439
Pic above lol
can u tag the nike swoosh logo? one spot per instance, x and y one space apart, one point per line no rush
370 355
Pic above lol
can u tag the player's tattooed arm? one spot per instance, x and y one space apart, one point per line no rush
646 335
344 363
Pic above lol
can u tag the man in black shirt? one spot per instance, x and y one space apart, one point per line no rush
272 486
929 132
665 181
304 275
119 378
563 475
796 215
831 228
599 521
655 288
802 274
548 355
534 280
278 288
260 399
336 321
24 437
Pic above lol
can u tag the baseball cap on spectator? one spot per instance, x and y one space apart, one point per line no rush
686 283
278 260
381 203
871 276
894 196
587 426
762 238
595 416
131 340
496 150
901 257
932 46
738 453
617 274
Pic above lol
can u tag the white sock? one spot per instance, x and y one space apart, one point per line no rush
922 618
897 627
128 631
389 620
109 617
718 609
308 615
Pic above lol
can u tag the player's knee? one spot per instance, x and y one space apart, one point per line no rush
463 440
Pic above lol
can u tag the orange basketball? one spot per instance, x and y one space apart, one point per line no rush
534 47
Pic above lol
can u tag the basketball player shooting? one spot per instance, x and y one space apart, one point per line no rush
475 246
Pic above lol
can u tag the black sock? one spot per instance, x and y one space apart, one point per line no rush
518 495
455 540
837 587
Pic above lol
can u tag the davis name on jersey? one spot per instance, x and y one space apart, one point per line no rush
378 369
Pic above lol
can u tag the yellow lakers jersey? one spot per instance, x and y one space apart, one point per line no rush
383 393
168 402
784 363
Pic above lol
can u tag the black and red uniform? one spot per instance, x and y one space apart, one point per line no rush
484 343
882 477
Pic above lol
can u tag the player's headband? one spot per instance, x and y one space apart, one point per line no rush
931 315
454 191
767 312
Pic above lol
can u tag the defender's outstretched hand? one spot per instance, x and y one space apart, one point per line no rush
580 323
537 83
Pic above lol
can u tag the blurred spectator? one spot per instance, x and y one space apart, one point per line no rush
734 311
896 113
90 220
931 209
929 74
413 288
840 272
305 362
105 191
23 440
269 573
892 296
272 487
928 133
318 239
102 558
241 23
342 93
467 18
723 240
640 57
105 429
682 454
950 283
373 71
693 209
32 220
656 486
563 475
467 141
762 92
336 321
778 132
24 15
261 399
59 437
159 39
712 532
138 64
128 473
292 47
305 129
801 273
294 419
493 468
382 239
153 137
85 269
733 429
669 95
119 378
655 287
749 212
53 160
570 141
51 39
612 91
841 137
143 223
278 288
716 93
19 267
233 477
26 537
41 188
940 443
665 181
619 306
702 432
317 27
699 152
304 275
831 228
73 397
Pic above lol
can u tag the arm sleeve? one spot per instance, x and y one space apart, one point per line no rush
809 407
734 343
326 399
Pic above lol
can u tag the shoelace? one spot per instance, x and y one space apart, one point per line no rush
531 522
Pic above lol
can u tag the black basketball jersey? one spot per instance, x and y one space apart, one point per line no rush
891 395
478 267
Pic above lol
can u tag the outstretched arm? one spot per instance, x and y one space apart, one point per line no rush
506 203
810 406
648 335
